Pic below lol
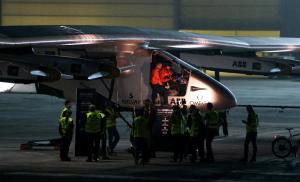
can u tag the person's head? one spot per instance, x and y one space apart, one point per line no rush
249 109
138 112
147 103
158 65
176 108
184 109
67 103
193 108
210 106
92 108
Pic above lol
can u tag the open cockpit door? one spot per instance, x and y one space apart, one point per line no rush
173 76
186 85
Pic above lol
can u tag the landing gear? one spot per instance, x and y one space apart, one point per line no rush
217 75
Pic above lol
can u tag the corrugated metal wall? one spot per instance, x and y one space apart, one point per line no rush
230 14
137 13
222 17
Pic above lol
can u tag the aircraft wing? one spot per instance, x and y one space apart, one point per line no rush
21 36
37 49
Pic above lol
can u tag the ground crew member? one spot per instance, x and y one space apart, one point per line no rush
112 114
223 120
67 107
178 128
149 114
66 126
103 151
93 130
197 130
251 127
140 129
212 129
157 84
187 132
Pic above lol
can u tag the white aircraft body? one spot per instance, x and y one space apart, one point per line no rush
117 61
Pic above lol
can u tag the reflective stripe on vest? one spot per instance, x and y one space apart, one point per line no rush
178 124
252 124
195 129
64 124
140 127
61 114
111 117
101 115
212 120
92 123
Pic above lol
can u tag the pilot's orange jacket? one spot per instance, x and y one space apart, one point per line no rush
155 77
165 74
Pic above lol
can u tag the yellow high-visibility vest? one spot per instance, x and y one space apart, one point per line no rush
141 127
93 122
65 109
212 120
111 117
196 124
252 124
178 122
65 124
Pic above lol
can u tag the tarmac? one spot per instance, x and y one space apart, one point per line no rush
27 117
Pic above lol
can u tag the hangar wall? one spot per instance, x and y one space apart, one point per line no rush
290 25
138 13
230 14
230 17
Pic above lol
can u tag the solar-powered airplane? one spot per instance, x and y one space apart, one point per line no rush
117 61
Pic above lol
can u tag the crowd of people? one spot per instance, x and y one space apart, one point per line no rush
192 132
96 125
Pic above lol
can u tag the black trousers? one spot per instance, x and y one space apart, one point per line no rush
197 142
178 147
250 137
103 145
211 133
141 149
113 137
64 146
225 128
93 145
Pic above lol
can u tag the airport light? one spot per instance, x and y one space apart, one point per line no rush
275 70
98 75
38 73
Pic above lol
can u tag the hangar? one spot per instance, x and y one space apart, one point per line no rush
231 17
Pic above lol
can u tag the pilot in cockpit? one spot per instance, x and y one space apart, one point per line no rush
158 90
166 76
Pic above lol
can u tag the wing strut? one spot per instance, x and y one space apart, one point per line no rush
217 75
111 90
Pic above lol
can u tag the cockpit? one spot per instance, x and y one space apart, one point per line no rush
167 78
